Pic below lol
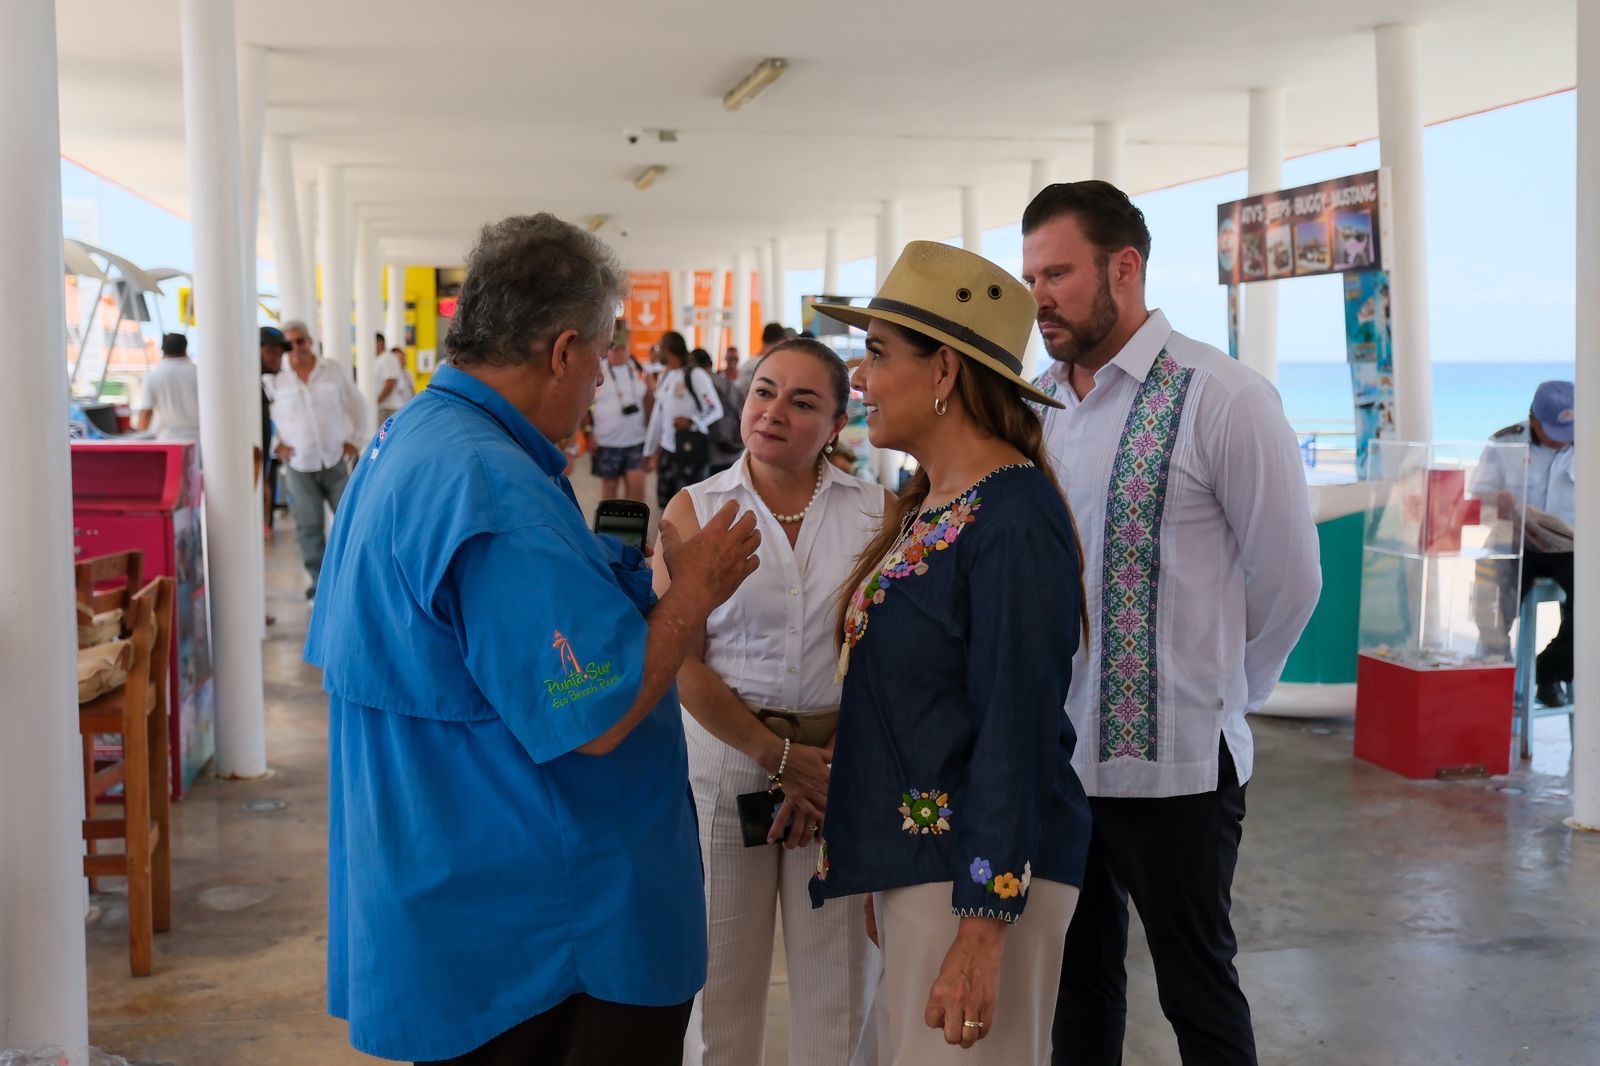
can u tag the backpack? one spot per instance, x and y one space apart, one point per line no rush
725 440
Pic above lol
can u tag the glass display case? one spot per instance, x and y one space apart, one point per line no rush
1441 562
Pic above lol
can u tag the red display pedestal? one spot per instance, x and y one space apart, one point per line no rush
1432 723
147 495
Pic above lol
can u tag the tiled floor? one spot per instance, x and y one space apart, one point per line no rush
1381 921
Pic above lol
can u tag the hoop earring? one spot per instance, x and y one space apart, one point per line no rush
940 407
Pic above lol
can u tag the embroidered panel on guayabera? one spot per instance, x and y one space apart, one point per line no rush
1132 563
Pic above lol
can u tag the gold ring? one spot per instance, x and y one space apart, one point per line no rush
973 1025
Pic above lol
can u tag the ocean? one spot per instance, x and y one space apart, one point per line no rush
1470 400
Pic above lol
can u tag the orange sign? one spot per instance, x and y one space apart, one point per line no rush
702 303
649 311
649 300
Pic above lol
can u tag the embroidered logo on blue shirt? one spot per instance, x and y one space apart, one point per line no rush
383 434
577 681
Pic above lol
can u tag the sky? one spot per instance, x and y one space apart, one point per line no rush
1501 202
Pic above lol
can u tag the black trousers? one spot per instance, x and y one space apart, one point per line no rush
1555 661
674 471
584 1031
1175 859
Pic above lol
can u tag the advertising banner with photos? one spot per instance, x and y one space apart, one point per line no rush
1331 227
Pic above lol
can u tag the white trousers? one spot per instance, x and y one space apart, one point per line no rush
916 929
831 963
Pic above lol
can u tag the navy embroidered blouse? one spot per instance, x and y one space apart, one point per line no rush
954 755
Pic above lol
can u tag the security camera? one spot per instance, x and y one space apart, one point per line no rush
633 135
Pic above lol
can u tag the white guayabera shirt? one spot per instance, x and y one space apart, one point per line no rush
1200 559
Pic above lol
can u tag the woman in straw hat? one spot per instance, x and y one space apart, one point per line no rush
952 798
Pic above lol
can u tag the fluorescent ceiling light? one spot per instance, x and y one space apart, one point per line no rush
755 83
647 177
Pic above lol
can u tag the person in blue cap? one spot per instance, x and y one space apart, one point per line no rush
513 861
1548 433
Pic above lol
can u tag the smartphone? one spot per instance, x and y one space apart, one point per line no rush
627 520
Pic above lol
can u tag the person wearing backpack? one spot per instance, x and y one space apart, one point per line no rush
726 445
677 443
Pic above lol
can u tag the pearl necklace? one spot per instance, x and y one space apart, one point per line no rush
786 519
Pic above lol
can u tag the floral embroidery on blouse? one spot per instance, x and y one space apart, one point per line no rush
925 813
1007 885
822 862
932 531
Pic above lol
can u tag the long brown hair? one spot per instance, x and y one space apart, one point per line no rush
997 408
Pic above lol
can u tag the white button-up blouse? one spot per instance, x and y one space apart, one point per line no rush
773 641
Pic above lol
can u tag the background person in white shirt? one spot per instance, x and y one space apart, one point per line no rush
618 419
320 420
1186 481
770 648
394 384
1552 484
676 443
171 392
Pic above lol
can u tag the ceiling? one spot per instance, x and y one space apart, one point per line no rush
447 115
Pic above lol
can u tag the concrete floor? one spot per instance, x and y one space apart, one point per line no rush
1381 921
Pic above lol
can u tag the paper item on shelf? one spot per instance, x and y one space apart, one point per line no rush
1547 532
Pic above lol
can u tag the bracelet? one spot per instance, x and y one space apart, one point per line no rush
774 780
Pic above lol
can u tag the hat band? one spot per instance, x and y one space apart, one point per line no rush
955 329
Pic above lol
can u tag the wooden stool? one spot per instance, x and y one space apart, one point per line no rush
105 583
138 711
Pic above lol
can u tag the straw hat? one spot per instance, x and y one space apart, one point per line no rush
958 298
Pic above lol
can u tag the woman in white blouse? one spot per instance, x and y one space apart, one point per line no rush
762 703
686 406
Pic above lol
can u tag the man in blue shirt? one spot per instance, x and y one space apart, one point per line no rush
514 873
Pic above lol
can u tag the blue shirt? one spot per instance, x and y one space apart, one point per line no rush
472 633
953 758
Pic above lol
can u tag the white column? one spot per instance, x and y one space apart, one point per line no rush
43 987
889 242
1041 173
333 251
830 262
308 250
1110 144
394 318
1258 326
1586 593
252 126
971 219
252 74
741 308
283 212
369 316
715 333
228 370
780 286
682 301
1400 147
769 303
